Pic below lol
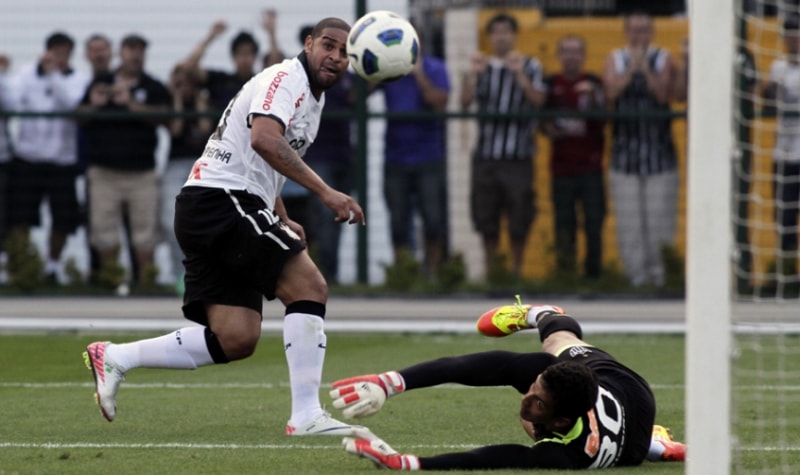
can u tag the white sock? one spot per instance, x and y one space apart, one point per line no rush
182 349
656 450
304 342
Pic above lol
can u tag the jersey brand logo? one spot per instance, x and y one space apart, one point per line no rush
273 86
299 100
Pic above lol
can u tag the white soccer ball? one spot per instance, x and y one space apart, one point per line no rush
382 46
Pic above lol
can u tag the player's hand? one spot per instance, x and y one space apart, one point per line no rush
344 206
478 62
515 62
363 396
296 227
380 453
217 28
48 62
269 18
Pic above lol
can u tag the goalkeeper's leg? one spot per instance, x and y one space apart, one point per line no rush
558 331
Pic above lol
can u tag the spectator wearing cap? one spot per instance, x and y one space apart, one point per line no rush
221 85
121 153
45 162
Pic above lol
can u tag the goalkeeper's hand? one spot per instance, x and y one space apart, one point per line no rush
363 396
381 454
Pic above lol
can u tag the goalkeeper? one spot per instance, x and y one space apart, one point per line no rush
582 408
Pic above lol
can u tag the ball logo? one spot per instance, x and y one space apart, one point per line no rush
360 29
273 86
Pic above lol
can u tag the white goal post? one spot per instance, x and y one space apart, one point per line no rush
709 240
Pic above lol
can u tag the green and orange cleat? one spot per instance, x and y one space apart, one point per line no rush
508 319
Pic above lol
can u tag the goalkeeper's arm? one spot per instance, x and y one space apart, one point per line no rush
491 368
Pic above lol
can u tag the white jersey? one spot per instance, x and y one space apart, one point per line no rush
281 91
787 77
41 139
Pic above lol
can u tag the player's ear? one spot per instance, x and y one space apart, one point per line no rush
307 44
562 424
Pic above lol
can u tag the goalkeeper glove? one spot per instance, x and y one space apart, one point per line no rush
363 396
381 454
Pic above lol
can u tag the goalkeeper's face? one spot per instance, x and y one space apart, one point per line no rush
538 405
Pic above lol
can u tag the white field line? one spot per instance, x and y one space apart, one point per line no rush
285 384
282 384
183 445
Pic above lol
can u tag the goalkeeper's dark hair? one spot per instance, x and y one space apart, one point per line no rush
573 387
330 22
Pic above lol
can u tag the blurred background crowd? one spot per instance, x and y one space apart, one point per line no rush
533 141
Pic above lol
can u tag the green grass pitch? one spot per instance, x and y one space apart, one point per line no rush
230 418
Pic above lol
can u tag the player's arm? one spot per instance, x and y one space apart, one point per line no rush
280 210
192 62
478 64
491 368
660 82
615 82
267 139
433 94
491 457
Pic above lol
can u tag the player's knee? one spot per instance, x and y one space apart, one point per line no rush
302 282
236 345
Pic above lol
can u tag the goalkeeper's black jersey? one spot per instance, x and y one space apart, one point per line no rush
616 432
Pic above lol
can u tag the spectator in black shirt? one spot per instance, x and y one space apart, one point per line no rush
121 154
222 86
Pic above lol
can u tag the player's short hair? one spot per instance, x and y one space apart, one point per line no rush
59 39
98 37
330 22
501 18
305 30
640 13
573 387
572 37
243 39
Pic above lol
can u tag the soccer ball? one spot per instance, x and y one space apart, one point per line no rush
382 46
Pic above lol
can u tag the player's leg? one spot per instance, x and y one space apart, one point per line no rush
628 200
214 298
556 329
304 292
520 205
593 200
486 206
660 192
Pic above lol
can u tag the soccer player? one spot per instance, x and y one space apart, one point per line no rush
240 245
582 407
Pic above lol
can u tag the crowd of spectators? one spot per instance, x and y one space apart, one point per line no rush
99 171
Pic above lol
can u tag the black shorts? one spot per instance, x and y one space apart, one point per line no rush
234 247
502 188
634 393
31 183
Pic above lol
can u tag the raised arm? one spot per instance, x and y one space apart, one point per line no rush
192 62
478 64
